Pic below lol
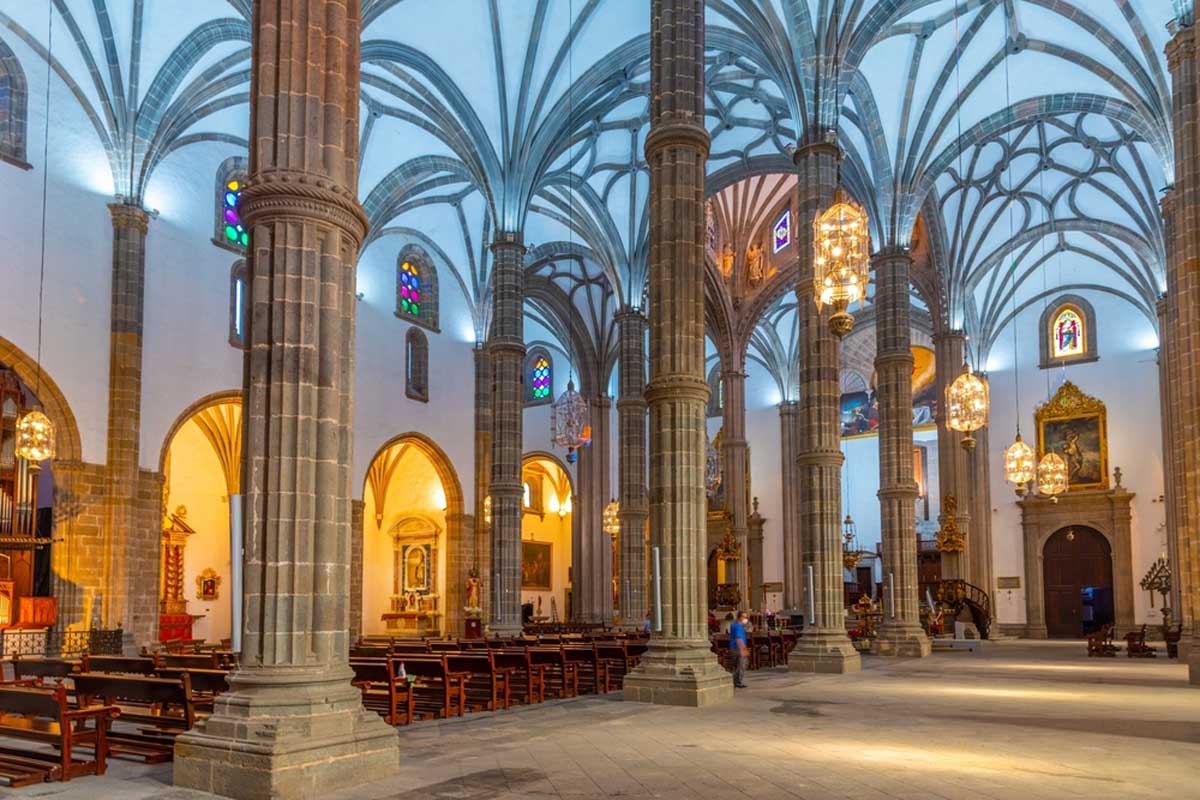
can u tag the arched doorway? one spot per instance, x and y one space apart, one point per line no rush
547 546
1077 572
201 463
411 537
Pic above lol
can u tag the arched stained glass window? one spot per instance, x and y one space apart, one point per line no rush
417 288
13 112
539 377
230 232
1068 332
239 304
716 391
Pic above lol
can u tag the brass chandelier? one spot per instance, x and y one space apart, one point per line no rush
967 405
842 260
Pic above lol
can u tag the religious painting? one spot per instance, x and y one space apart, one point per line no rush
208 585
1075 426
535 566
860 409
416 567
1067 334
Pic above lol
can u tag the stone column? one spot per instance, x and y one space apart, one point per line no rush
793 565
979 547
1167 406
954 463
1182 446
507 348
900 633
357 533
122 541
678 667
292 725
481 559
460 540
734 475
591 559
824 645
631 463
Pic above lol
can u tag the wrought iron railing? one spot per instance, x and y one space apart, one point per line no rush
59 644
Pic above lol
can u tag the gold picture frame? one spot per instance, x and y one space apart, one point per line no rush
1075 425
208 585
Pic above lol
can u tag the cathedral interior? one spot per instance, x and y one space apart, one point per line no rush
588 398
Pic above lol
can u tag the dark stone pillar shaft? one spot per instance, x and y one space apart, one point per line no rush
631 463
734 474
678 668
793 565
481 545
292 724
506 344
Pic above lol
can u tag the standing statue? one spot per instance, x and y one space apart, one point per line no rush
754 263
727 260
473 590
710 225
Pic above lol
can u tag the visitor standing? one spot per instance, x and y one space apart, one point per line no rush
739 648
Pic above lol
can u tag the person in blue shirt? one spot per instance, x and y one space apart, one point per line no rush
739 648
646 626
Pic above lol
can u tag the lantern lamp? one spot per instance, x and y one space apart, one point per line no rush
967 405
612 522
842 246
1019 465
570 422
35 437
1052 475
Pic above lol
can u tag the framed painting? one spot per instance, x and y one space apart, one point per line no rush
1075 426
535 566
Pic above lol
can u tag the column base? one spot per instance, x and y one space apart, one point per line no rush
824 651
679 672
905 640
286 733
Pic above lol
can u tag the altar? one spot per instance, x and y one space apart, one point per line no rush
412 624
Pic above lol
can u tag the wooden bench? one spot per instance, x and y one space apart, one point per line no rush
161 708
617 661
1135 644
438 690
210 660
1099 643
42 715
592 673
527 679
118 665
43 670
206 684
383 690
560 677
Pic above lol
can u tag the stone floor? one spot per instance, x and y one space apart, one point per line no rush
1027 720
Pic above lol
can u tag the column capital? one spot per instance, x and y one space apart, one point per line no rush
677 387
278 194
677 133
505 240
125 215
629 314
1182 45
814 149
893 252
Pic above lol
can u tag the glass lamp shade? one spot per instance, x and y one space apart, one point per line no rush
487 509
35 437
1019 466
841 267
612 522
1052 475
967 405
570 422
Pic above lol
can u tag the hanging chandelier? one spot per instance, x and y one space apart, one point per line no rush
967 405
1052 475
570 422
841 260
851 553
1019 468
611 520
487 510
35 437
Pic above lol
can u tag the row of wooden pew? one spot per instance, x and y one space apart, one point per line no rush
768 648
410 680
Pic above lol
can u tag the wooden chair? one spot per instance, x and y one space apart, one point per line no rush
1099 643
1135 644
42 715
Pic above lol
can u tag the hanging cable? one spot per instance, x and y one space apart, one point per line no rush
45 179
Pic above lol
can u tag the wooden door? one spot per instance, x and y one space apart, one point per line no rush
1073 559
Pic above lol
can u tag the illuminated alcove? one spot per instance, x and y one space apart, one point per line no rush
547 521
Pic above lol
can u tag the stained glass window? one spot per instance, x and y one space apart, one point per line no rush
13 97
410 289
783 231
239 304
416 379
234 231
1068 334
539 377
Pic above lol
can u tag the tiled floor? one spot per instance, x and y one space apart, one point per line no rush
1024 720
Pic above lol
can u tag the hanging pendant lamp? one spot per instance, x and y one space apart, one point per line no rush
967 405
1019 467
1052 475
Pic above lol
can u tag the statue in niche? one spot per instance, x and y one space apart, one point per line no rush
754 263
415 569
474 586
727 260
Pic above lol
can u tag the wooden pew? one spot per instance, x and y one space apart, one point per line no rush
160 707
47 671
617 661
527 678
118 665
488 688
438 690
593 673
206 684
210 660
384 691
42 715
560 677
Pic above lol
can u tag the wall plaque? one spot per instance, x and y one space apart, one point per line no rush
1011 582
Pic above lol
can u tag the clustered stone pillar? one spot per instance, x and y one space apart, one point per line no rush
1182 443
1171 483
979 547
793 564
734 475
631 463
592 547
292 724
481 559
507 347
678 667
124 540
900 633
954 462
823 646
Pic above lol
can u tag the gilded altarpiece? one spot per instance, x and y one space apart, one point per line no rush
414 603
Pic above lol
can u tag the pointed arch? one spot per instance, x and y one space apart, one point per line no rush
54 403
416 365
14 109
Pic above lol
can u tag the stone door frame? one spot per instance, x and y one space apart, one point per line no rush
1107 512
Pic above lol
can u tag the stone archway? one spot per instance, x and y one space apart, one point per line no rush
68 445
1109 513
